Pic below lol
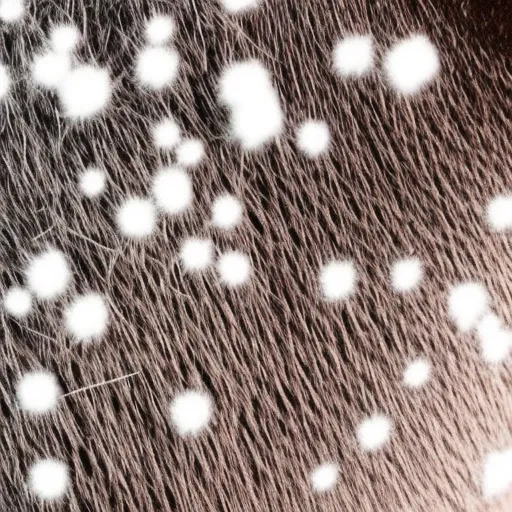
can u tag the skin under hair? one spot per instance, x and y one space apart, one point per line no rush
291 375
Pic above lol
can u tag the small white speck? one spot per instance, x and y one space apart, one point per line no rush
5 81
64 38
353 56
191 412
227 212
136 218
87 317
411 64
234 268
190 152
157 67
160 29
92 182
499 213
324 477
497 474
417 373
18 302
313 138
374 432
11 10
48 274
38 392
196 254
239 6
50 69
406 274
166 134
85 92
338 280
49 479
495 340
172 189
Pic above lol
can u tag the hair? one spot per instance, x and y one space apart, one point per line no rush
290 374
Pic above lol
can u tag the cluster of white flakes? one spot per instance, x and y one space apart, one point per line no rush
469 307
167 136
467 304
373 433
48 276
494 338
406 275
234 267
171 187
256 117
197 254
172 194
338 278
409 65
157 64
84 90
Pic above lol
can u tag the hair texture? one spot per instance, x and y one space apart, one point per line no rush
288 380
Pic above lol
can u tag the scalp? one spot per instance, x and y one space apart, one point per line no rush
291 375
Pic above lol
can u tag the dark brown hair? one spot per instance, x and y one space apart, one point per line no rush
290 374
